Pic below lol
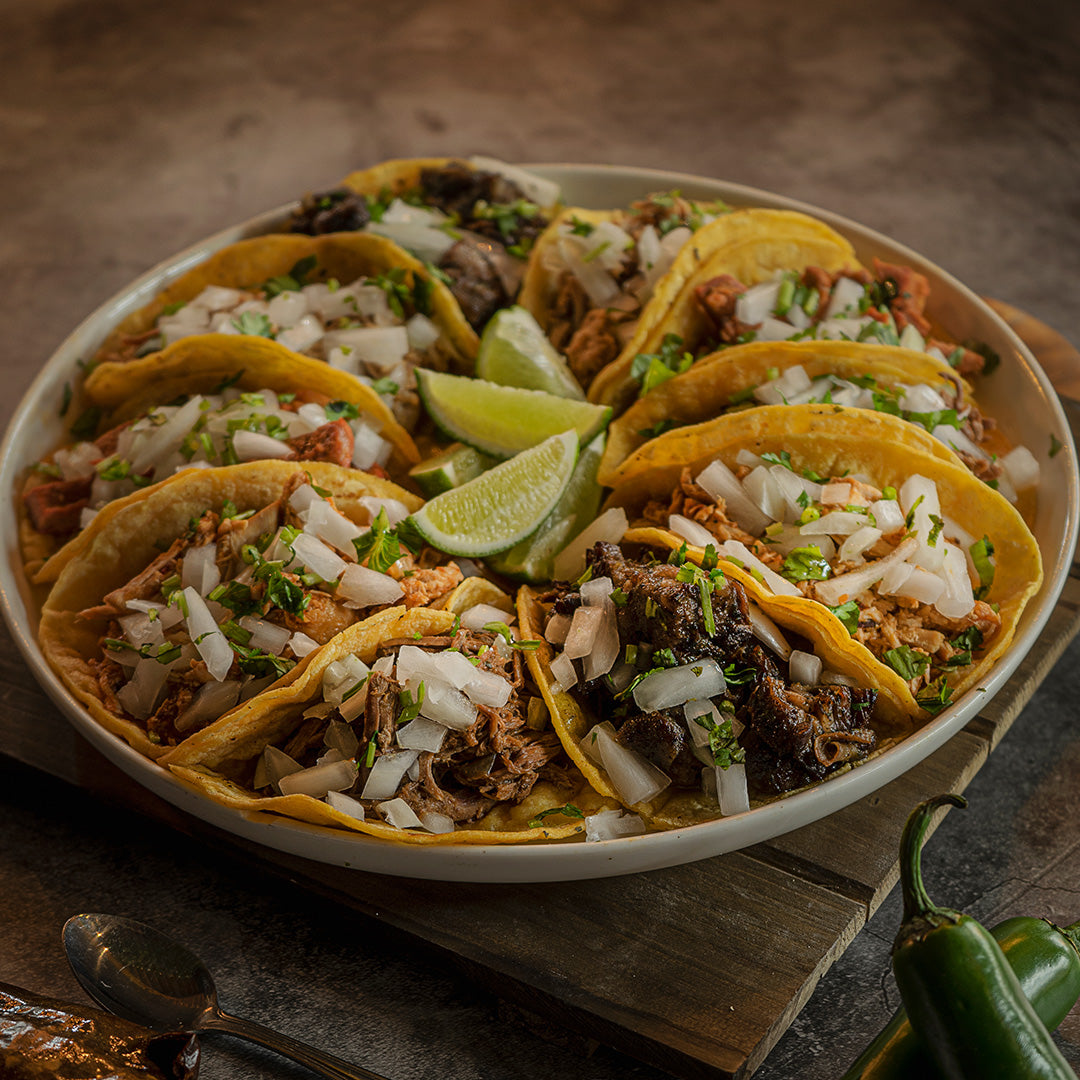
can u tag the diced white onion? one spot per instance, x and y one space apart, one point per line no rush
326 523
583 629
396 510
435 822
1021 467
609 526
562 671
634 779
301 645
363 586
847 586
719 481
341 737
199 569
400 814
211 701
804 667
448 706
140 693
956 599
422 734
318 558
255 446
557 628
610 824
387 773
266 636
690 531
738 550
675 686
372 348
605 649
273 765
858 542
319 779
761 487
731 790
211 643
767 632
757 302
479 615
888 515
345 804
834 523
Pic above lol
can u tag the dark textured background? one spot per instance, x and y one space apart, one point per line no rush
129 130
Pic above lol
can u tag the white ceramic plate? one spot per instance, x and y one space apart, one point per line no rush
1018 394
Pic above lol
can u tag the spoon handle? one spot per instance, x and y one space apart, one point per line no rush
317 1060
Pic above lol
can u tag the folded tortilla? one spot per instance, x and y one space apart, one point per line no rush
220 761
122 392
831 441
119 544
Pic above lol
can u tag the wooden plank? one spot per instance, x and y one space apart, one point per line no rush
854 850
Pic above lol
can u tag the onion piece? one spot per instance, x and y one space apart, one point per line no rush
847 586
767 632
858 542
211 701
634 779
479 615
400 814
387 773
1021 467
611 824
557 628
345 804
363 586
804 667
332 527
319 779
690 531
761 488
273 765
422 734
606 647
139 695
341 737
265 636
562 671
301 645
731 790
834 523
318 558
675 686
719 481
956 599
205 635
435 822
447 706
583 630
735 549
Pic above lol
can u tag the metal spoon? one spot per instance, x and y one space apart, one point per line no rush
134 971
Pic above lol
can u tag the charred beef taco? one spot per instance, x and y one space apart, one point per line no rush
358 302
595 274
842 513
475 221
746 247
682 695
419 726
203 401
212 585
884 378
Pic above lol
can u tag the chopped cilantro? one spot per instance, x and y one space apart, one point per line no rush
848 614
783 458
652 369
907 662
65 400
935 697
981 555
580 228
86 423
1055 444
381 545
503 631
723 745
294 280
806 564
658 428
254 324
385 386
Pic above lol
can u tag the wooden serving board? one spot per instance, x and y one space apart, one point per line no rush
624 960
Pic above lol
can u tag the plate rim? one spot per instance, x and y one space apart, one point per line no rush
537 861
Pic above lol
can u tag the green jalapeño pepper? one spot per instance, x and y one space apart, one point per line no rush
964 1001
1046 959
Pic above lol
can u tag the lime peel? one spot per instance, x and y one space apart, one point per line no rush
515 351
502 506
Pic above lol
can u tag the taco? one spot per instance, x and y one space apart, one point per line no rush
686 698
475 221
594 274
746 293
843 513
419 726
885 378
358 302
745 247
207 400
212 585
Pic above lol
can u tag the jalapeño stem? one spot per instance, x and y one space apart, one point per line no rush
917 904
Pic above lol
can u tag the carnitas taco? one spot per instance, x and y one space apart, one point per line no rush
202 401
475 220
214 584
418 726
746 247
356 301
841 513
595 274
747 294
687 698
885 378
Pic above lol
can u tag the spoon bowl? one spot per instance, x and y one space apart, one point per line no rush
137 972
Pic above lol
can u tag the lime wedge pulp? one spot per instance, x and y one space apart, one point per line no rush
533 559
502 506
504 420
450 469
514 351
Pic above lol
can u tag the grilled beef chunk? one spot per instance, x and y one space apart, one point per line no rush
473 266
56 507
792 734
340 210
661 737
456 188
796 734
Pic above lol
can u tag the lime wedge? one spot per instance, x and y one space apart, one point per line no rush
533 559
503 420
514 351
503 505
453 467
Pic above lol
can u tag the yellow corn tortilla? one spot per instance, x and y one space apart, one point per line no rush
750 245
834 441
124 391
210 758
677 809
344 256
122 540
706 390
